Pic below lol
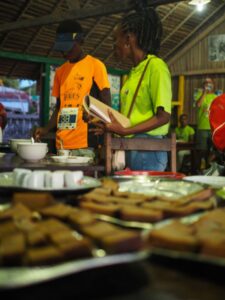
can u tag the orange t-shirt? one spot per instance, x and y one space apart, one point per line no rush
71 83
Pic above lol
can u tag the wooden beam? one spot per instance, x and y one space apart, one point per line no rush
48 60
178 27
116 6
73 4
201 72
173 55
31 58
170 12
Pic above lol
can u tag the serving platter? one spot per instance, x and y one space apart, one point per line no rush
15 277
7 184
158 186
193 258
173 255
213 181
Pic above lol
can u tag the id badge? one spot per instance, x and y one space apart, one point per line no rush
68 118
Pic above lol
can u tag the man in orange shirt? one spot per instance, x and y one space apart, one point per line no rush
77 77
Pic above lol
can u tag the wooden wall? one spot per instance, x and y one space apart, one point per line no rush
193 63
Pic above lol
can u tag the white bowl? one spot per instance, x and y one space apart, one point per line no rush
15 142
32 152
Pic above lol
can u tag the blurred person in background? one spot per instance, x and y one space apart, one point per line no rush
3 117
203 134
184 133
3 120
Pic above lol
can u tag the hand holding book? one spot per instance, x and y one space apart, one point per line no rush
101 111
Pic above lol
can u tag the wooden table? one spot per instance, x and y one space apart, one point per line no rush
192 147
146 280
10 161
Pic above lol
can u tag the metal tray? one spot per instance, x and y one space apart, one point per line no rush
158 186
128 224
170 188
148 226
21 276
175 255
7 185
187 257
15 277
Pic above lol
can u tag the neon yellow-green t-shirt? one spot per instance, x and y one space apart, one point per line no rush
155 91
183 133
203 111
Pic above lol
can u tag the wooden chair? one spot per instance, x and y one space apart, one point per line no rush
115 143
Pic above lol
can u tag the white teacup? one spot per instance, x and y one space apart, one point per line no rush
63 152
73 179
36 179
55 179
19 175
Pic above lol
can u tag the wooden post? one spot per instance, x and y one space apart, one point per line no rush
108 153
173 152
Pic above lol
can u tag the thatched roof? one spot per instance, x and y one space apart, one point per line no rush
28 29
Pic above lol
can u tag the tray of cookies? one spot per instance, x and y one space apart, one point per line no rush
199 238
42 239
141 204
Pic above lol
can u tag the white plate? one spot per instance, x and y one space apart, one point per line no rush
6 183
71 159
59 159
78 159
213 181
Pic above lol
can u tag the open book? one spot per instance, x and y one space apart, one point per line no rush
100 110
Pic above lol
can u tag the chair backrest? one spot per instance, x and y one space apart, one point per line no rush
115 143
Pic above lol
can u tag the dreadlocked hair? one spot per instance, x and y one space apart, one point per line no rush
147 27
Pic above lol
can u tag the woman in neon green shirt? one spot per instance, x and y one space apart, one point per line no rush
138 38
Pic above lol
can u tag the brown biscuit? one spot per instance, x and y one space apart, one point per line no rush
132 213
121 241
98 198
98 230
133 195
34 201
7 228
52 225
76 248
109 183
15 212
189 209
107 209
176 236
36 238
59 211
12 248
59 237
212 243
81 218
43 255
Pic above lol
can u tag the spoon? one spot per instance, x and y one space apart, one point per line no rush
61 144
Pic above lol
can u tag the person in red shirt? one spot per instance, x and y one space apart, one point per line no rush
3 116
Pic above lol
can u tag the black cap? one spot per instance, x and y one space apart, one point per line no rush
67 33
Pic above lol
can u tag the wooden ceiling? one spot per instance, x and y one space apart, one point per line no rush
28 29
